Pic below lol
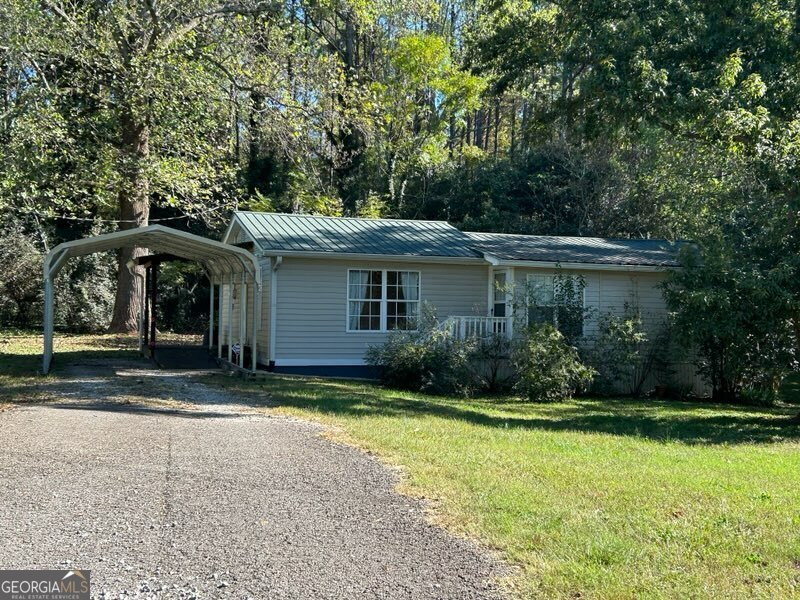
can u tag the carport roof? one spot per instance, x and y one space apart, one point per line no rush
218 258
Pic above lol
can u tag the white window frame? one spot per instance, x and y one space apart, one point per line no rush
384 299
551 276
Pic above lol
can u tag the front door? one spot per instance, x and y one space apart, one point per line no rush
500 294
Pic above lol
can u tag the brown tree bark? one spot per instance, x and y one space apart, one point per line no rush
134 211
513 113
496 125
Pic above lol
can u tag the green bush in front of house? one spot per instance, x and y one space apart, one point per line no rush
429 359
547 368
540 365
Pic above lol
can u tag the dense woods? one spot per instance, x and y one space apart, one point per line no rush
674 119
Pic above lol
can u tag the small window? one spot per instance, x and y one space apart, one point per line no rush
382 300
500 299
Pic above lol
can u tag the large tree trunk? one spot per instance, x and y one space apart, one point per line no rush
350 143
134 210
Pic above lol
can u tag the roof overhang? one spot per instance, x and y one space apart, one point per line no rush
451 260
216 257
487 259
236 223
539 264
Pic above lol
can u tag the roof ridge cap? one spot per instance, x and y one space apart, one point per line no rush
579 237
383 219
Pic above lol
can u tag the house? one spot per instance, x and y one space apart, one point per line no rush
331 287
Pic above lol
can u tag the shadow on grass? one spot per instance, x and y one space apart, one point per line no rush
21 379
30 365
686 422
140 409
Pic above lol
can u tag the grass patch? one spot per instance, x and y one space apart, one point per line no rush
21 358
592 498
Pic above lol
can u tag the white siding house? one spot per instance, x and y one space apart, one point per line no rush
332 287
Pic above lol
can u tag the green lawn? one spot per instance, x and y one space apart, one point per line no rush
21 358
592 498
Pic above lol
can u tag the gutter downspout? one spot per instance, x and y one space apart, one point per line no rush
273 309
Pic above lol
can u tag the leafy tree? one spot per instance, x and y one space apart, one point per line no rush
737 319
124 104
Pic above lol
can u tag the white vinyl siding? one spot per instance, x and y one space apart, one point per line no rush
608 292
638 289
312 310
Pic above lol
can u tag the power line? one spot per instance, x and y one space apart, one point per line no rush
98 220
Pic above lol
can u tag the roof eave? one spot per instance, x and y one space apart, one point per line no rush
235 220
476 260
584 266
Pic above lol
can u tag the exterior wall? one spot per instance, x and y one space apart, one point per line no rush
237 235
262 347
608 292
312 303
235 304
311 326
639 289
224 293
311 308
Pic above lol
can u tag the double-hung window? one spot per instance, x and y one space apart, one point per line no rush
382 300
550 302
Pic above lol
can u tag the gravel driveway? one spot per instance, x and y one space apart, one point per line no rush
190 494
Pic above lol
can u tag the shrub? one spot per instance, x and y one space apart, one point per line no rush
625 355
428 360
759 396
20 279
618 353
85 293
737 320
490 358
547 367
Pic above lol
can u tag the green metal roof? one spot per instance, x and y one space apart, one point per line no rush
290 233
308 233
583 250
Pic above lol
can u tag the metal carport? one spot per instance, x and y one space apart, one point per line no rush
224 265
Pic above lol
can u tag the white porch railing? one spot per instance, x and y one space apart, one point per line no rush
464 327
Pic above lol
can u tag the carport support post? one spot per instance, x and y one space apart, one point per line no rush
230 319
211 317
146 301
242 319
153 289
48 323
219 320
142 322
256 315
